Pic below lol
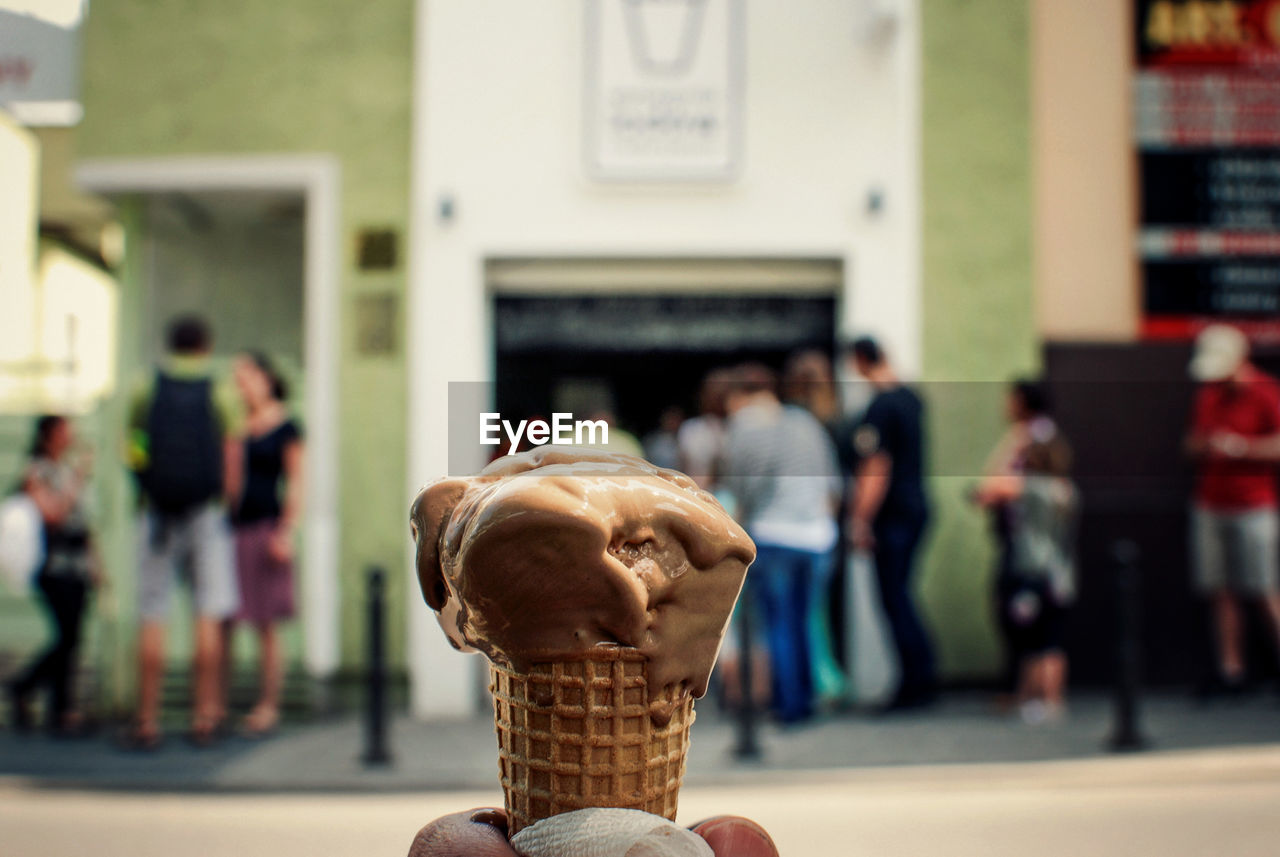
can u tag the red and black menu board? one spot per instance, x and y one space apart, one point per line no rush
1207 131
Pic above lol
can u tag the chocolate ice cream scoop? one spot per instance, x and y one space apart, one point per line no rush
554 552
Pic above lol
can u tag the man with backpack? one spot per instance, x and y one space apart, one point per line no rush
182 449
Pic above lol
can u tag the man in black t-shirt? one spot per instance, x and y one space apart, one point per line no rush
890 511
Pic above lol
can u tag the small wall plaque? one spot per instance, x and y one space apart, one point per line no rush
377 249
375 319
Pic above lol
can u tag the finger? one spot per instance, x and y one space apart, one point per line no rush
734 836
474 833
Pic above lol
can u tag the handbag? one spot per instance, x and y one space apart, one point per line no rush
22 546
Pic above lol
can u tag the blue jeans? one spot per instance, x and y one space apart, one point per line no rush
780 584
829 682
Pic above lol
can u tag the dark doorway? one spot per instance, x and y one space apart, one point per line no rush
646 352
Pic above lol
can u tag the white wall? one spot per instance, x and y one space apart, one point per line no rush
831 112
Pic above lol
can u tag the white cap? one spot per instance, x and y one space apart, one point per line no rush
1220 351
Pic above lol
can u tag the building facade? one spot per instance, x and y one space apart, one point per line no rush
432 193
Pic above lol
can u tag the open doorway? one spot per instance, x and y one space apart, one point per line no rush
643 333
643 353
252 242
236 259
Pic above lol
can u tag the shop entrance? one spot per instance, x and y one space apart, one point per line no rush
638 336
234 258
641 335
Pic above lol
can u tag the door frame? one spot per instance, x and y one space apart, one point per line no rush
318 177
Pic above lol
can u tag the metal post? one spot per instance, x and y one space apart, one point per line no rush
1127 733
375 732
748 746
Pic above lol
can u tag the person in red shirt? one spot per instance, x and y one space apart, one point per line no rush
1235 526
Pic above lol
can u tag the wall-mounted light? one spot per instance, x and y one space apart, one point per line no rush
446 208
875 201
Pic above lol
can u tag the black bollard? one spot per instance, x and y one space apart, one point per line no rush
748 746
1127 734
375 721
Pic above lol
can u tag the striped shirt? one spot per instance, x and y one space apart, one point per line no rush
780 465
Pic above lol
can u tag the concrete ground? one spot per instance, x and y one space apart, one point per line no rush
1170 804
462 755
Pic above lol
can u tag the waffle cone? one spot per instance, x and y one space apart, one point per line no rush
576 734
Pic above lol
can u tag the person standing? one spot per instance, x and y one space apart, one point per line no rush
780 467
1038 507
1046 509
660 446
889 513
1027 410
266 516
808 382
184 451
1234 439
700 440
65 577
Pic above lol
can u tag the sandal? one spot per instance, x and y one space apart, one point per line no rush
261 722
204 731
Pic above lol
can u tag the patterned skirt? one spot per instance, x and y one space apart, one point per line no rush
266 584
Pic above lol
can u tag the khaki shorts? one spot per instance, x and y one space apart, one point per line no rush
1237 551
196 544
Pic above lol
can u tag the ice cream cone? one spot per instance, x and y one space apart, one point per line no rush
579 733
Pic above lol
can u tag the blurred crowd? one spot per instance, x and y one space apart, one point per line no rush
824 473
219 469
824 463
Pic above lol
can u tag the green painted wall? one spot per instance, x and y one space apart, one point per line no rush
978 326
314 76
327 76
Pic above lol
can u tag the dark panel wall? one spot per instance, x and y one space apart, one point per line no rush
1125 408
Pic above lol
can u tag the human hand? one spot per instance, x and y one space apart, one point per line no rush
861 534
1228 445
483 833
281 545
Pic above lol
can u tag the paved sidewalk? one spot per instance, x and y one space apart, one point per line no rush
1167 803
462 755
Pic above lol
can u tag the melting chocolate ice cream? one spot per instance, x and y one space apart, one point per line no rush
547 554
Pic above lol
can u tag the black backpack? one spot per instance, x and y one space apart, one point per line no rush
184 461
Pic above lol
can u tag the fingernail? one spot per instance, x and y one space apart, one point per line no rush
493 817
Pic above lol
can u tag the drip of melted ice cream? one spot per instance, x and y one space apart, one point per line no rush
551 553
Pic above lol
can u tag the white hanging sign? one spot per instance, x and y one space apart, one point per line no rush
663 89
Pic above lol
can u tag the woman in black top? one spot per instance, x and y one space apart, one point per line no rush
266 515
65 576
